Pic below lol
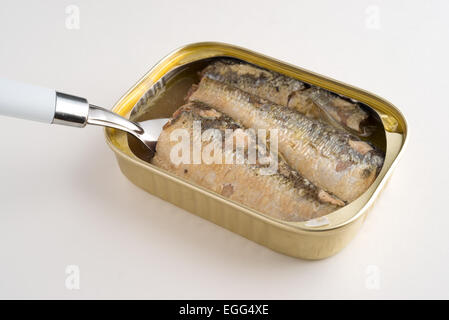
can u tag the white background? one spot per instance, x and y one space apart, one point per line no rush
63 200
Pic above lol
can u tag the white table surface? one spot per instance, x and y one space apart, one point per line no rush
64 201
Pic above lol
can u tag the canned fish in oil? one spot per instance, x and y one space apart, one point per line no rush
163 89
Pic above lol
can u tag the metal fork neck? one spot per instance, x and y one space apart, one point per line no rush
102 117
77 112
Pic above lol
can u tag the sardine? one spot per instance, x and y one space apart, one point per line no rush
311 101
285 194
331 158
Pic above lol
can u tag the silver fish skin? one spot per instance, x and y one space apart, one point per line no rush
284 195
314 102
331 158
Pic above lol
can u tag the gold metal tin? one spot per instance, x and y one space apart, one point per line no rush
308 240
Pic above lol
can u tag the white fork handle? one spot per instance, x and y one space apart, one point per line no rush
26 101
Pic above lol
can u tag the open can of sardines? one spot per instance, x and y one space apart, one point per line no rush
284 157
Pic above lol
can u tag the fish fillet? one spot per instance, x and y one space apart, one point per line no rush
285 194
332 159
311 101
